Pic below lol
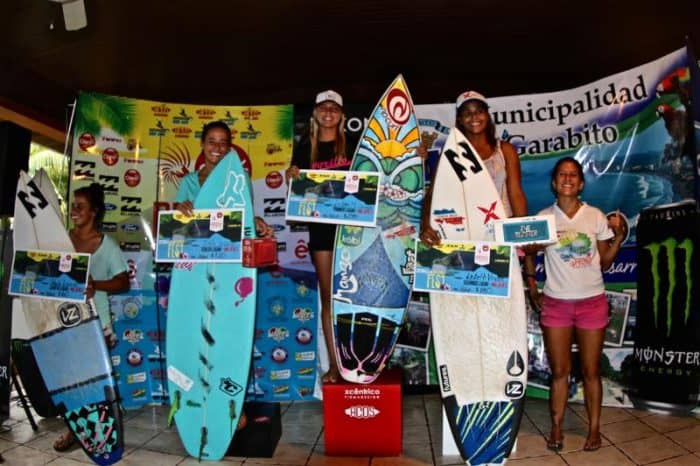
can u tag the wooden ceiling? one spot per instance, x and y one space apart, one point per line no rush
284 51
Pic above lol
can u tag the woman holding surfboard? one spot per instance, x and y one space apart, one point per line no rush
216 143
574 302
326 148
108 269
499 157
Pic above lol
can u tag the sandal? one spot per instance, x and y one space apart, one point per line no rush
65 442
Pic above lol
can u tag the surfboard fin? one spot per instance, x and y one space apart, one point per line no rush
202 443
174 407
232 412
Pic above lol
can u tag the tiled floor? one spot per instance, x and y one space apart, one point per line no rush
630 438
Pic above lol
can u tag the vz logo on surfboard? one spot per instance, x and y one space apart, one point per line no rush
69 314
515 389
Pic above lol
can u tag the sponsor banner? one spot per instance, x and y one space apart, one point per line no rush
284 357
137 358
337 197
139 151
60 276
627 130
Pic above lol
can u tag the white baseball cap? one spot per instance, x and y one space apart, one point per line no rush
471 95
329 95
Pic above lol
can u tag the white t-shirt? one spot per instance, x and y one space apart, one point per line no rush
572 264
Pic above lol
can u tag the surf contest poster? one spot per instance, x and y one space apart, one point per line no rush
464 267
337 197
209 235
50 275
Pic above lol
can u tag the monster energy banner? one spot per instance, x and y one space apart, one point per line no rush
666 371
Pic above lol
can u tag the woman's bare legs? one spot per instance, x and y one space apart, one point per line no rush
590 343
557 341
323 262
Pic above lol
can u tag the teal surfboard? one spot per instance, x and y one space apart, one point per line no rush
66 338
210 324
373 266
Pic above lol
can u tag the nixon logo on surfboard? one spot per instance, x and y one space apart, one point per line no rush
516 364
466 155
69 314
32 200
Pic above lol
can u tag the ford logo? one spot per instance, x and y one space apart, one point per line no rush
130 227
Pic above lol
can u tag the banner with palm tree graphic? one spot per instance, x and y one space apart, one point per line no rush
139 151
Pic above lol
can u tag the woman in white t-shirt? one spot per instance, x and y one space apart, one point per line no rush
573 302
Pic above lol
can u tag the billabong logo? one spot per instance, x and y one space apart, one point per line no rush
445 379
467 155
361 412
670 245
514 389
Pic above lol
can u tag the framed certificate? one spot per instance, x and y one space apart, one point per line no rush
338 197
472 268
209 235
50 275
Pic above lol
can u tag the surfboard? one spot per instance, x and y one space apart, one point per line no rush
66 339
210 326
22 354
480 342
373 266
665 370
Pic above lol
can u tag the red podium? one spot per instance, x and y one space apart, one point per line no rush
363 420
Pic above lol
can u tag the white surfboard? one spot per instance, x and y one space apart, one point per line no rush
66 338
480 342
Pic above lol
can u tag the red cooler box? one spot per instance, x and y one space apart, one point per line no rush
363 420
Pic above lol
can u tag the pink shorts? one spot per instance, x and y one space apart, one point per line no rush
589 313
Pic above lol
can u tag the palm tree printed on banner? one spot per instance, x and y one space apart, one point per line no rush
95 111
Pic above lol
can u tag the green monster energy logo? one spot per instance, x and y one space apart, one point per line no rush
655 249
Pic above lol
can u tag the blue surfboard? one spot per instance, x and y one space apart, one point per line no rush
373 266
210 326
67 338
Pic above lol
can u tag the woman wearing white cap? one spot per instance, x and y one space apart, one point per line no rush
326 148
499 157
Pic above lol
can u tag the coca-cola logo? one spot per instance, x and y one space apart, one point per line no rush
85 141
132 177
274 180
110 156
